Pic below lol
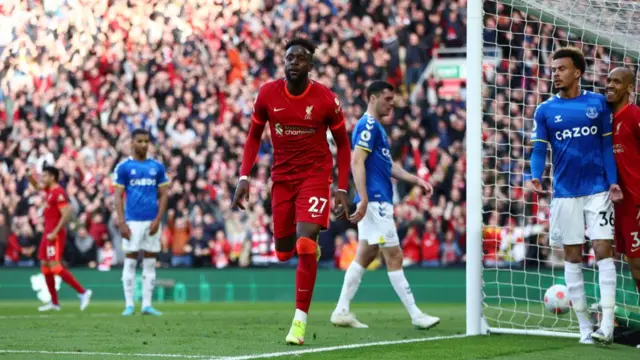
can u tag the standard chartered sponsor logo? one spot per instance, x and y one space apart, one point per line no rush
289 130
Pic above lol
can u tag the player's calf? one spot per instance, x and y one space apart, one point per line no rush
49 278
393 259
607 281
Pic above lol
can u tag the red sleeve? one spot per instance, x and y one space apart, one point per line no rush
60 198
336 122
343 156
260 115
335 118
252 145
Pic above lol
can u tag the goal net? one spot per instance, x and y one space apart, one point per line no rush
519 266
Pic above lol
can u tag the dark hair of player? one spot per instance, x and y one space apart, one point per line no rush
378 86
139 131
304 42
51 170
574 54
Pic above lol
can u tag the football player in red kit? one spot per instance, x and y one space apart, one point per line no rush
299 111
626 149
56 213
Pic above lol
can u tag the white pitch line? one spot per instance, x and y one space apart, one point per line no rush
87 353
335 348
241 357
115 313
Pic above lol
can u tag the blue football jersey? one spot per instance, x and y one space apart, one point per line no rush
141 180
370 136
575 128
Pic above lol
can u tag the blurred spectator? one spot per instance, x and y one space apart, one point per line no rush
77 77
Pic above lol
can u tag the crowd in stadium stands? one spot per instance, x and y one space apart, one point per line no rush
78 76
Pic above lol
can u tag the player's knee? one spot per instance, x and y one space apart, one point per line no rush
284 255
602 249
308 230
305 245
393 258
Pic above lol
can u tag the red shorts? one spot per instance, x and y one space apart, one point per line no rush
52 250
627 230
306 200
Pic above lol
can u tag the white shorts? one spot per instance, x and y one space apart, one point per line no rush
573 218
141 239
377 227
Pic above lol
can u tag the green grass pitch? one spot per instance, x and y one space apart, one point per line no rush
238 331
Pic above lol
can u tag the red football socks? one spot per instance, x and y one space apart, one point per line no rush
51 285
69 279
305 273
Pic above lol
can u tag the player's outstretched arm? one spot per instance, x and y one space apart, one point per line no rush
540 140
65 212
610 169
343 159
360 178
398 172
34 182
125 232
163 198
251 148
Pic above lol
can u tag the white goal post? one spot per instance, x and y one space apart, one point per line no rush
509 263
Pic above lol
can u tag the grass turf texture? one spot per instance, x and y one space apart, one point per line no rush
233 330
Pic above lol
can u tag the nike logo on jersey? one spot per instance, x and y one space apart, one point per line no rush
277 109
315 215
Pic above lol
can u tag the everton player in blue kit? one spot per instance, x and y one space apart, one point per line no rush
577 124
144 181
372 170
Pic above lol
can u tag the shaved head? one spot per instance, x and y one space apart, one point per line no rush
625 73
620 86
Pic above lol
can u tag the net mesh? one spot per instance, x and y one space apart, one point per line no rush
519 265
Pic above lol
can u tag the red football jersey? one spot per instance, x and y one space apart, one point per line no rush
626 148
55 200
299 128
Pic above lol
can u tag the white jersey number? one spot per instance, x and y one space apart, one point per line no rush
315 201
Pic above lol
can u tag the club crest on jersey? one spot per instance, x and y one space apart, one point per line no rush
338 107
592 113
279 130
309 110
153 172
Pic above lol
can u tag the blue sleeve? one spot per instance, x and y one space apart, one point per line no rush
539 131
610 170
540 139
161 177
120 175
364 137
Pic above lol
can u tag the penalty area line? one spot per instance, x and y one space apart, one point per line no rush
336 348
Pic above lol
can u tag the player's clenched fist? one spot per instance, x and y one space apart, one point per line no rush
537 187
125 232
242 193
360 212
428 189
615 193
342 204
